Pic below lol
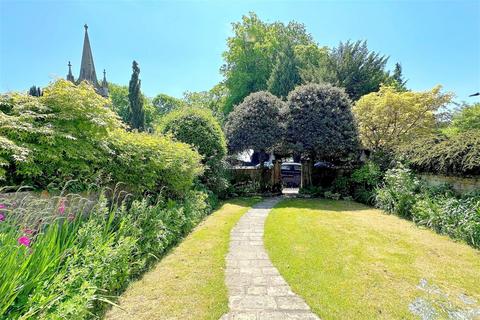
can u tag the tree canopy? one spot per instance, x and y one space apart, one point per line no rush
255 123
388 117
252 53
320 123
136 113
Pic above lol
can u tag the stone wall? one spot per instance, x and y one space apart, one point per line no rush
459 184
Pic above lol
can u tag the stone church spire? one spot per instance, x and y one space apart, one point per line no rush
87 68
70 75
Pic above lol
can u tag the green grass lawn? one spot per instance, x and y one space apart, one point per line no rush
189 282
349 261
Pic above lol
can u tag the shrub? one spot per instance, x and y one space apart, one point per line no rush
59 136
199 128
397 195
455 155
364 180
147 163
70 267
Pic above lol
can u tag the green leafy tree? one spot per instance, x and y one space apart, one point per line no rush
389 117
467 118
398 80
35 91
252 53
285 74
199 128
136 112
312 62
213 99
255 124
354 67
164 103
320 124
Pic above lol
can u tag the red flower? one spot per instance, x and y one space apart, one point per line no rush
61 208
28 231
24 241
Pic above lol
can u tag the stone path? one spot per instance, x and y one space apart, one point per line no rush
256 288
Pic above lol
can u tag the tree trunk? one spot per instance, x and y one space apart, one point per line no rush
306 180
277 176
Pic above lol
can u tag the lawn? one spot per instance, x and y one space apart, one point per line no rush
349 261
189 282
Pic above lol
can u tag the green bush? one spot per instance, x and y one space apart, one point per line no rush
60 136
364 180
458 154
199 128
437 208
73 264
148 163
398 193
68 134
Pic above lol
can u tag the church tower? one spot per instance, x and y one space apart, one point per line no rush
87 69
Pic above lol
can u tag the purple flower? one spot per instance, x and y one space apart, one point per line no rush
61 208
28 231
2 217
24 241
2 206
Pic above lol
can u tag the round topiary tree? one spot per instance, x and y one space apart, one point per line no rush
199 128
320 125
255 124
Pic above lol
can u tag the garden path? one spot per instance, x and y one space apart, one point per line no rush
256 289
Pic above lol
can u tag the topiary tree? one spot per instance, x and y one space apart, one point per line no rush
320 125
255 124
199 128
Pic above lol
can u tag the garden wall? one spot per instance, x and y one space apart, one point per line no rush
459 184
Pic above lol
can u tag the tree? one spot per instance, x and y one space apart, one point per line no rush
398 81
136 112
164 103
252 53
320 125
285 74
213 99
389 117
35 91
199 128
255 124
121 104
353 67
467 118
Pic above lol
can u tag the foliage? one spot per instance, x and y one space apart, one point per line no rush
437 208
148 163
54 138
389 117
136 115
121 105
457 218
320 123
164 103
354 67
68 133
455 155
255 123
397 195
397 79
35 91
200 129
312 62
285 74
252 53
364 181
72 266
467 118
213 99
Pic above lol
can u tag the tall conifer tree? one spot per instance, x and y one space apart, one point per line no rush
136 112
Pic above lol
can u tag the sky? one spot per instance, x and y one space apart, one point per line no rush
179 44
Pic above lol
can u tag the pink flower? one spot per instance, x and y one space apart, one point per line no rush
61 208
2 217
24 241
28 231
2 206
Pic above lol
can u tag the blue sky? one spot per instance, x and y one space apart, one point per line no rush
179 44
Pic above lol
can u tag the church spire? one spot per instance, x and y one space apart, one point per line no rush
70 75
87 68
